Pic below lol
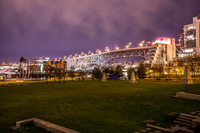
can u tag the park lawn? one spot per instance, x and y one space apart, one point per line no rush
95 107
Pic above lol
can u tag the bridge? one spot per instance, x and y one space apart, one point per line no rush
106 58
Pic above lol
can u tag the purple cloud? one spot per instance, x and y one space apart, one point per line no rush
34 28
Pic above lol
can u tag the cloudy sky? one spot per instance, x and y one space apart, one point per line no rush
57 28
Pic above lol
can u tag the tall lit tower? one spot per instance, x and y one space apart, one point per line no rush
191 39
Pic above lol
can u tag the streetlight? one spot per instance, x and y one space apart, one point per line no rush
107 49
148 43
142 43
82 54
98 51
129 44
116 47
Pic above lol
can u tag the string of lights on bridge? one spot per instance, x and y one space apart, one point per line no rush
107 50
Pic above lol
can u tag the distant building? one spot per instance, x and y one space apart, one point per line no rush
162 51
190 39
9 68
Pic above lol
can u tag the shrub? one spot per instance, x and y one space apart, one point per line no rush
172 115
149 122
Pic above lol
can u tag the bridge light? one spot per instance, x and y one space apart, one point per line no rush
107 49
82 53
85 54
148 43
129 43
99 51
116 47
127 46
141 44
91 53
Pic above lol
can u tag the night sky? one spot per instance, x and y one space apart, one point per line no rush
58 28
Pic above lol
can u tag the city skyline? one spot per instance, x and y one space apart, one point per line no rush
60 28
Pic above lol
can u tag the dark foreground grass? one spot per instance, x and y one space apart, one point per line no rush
95 107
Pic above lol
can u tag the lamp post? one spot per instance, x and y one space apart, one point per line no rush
129 44
116 47
147 43
107 49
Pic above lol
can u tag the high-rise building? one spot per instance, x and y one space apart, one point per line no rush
162 51
190 39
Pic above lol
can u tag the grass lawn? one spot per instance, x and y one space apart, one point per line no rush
95 107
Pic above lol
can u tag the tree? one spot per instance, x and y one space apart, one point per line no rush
106 70
130 70
118 71
46 76
112 71
71 74
59 73
141 71
64 74
81 74
168 68
96 73
160 69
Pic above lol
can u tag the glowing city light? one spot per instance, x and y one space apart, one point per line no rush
82 53
89 52
98 51
164 40
116 47
107 49
129 44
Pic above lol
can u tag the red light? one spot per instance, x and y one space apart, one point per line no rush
164 40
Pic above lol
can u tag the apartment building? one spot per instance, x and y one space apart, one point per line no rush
190 39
